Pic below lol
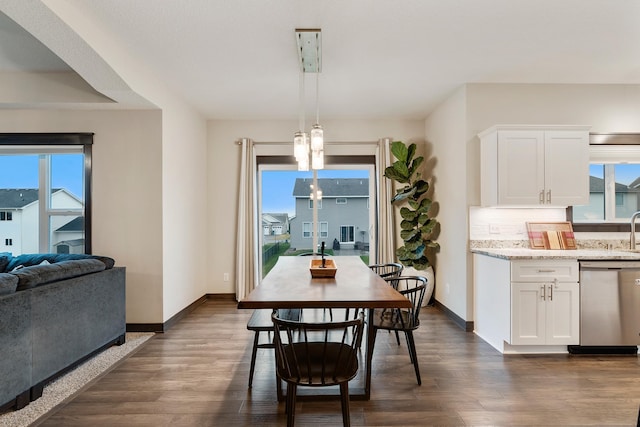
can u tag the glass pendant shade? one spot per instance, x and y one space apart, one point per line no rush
317 138
303 164
317 159
301 146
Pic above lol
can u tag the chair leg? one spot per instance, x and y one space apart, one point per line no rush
412 346
344 399
291 404
412 355
397 337
253 357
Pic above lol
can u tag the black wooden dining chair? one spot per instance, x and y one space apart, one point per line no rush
260 321
402 319
391 269
317 355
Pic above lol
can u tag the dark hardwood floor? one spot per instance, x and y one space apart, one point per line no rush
196 375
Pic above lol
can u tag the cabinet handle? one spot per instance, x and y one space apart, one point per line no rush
550 292
541 196
543 288
546 271
548 196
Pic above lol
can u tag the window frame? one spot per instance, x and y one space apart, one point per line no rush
608 149
54 143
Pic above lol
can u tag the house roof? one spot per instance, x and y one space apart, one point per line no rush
281 218
76 224
333 187
596 185
18 198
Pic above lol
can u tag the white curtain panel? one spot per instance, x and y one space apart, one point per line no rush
246 250
386 225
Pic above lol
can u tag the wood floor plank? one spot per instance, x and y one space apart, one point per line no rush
196 374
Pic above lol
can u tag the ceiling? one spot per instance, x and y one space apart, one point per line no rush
237 59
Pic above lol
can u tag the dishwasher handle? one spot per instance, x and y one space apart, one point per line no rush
609 265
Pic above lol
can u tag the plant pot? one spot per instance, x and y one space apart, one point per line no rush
431 281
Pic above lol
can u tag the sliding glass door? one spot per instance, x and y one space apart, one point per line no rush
345 213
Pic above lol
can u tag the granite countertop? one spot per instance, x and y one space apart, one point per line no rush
580 254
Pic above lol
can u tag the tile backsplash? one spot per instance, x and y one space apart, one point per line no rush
506 227
508 223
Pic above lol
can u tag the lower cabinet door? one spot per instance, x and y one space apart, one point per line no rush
528 324
563 314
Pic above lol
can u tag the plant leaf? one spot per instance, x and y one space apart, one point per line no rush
399 150
411 151
403 193
408 214
397 173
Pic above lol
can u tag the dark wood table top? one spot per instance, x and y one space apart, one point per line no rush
290 285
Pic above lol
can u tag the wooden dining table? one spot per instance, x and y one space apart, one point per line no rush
290 285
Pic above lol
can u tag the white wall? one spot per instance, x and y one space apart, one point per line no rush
127 192
223 167
445 132
184 208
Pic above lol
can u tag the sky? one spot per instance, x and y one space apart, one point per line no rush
21 171
626 173
277 187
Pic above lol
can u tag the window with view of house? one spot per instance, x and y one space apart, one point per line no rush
614 185
284 189
44 194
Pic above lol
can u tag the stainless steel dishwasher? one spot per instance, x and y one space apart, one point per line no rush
610 305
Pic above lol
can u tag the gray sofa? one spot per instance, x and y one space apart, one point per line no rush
56 310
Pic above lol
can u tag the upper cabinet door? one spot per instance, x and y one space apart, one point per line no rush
535 166
520 167
566 168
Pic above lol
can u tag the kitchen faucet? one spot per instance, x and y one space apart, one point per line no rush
632 237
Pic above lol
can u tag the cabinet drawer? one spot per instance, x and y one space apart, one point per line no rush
543 270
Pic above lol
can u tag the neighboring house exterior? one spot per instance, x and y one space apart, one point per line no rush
19 210
70 237
274 224
627 201
343 213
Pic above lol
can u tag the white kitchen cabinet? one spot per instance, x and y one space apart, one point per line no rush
535 165
545 313
527 305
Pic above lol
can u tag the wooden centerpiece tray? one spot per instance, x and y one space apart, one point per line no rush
318 271
551 235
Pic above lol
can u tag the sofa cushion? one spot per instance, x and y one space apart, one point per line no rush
34 275
8 283
28 260
5 258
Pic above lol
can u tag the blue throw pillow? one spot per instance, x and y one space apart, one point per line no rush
27 260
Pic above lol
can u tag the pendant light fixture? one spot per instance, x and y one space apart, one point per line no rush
309 48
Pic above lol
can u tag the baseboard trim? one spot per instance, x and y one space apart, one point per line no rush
226 297
463 324
163 327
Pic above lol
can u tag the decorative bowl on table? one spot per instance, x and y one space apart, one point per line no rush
318 271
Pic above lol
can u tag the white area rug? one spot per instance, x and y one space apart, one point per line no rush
62 388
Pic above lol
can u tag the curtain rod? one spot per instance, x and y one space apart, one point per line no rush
239 142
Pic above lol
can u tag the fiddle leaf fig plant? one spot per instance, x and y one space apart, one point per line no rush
416 225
